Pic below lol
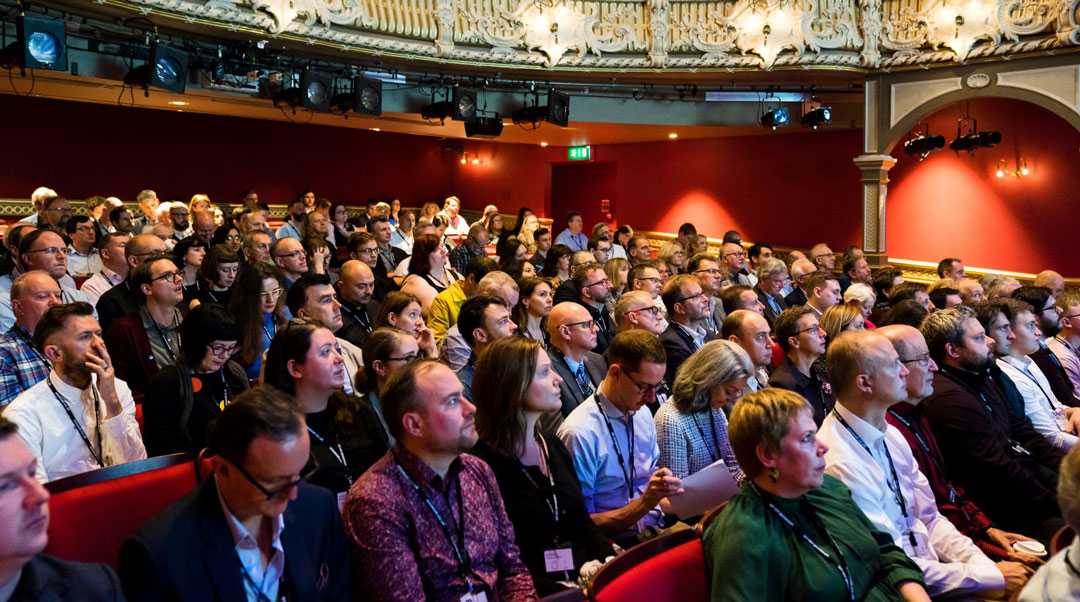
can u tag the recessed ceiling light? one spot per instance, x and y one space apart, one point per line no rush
543 143
673 135
178 103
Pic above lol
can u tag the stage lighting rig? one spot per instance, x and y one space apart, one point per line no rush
41 43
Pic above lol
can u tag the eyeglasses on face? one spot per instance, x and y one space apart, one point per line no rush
651 309
289 255
408 358
586 324
645 389
49 250
170 275
605 281
689 297
710 271
271 294
922 361
816 328
224 349
284 489
736 254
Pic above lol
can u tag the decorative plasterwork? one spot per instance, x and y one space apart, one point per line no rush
647 34
906 97
1060 83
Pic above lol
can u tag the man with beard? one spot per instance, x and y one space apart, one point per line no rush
989 451
180 218
1045 308
354 289
81 417
592 281
294 224
686 304
403 513
124 298
38 250
148 339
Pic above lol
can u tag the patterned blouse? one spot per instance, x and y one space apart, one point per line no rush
690 442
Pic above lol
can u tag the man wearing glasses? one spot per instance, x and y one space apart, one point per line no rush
734 258
125 298
1050 321
636 309
803 341
288 255
254 531
595 290
148 340
687 305
38 250
1066 344
572 337
613 442
706 269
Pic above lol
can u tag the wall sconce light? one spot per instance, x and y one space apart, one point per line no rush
767 27
1022 169
958 24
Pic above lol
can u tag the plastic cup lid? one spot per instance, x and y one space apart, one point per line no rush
1030 547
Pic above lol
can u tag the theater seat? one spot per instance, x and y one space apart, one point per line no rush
91 514
668 568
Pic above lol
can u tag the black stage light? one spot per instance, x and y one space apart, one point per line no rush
484 126
167 68
368 93
558 108
529 115
774 118
464 105
974 141
41 43
924 144
819 116
342 102
315 90
437 110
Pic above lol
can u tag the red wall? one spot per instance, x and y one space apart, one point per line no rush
790 189
951 205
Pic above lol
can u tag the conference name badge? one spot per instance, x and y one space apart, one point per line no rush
558 560
474 597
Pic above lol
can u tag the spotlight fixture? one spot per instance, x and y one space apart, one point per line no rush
974 141
41 43
368 93
464 105
819 115
315 92
922 144
441 110
484 126
556 111
774 118
167 68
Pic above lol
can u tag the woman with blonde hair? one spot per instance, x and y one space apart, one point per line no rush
863 297
527 234
617 271
674 256
793 532
691 426
840 318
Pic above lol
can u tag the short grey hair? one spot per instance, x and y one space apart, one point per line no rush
42 194
628 302
945 326
770 267
716 362
493 283
860 293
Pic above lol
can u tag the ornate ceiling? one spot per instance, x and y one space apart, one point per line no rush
655 35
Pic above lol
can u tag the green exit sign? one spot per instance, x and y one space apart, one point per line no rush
579 153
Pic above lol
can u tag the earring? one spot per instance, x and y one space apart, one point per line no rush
774 474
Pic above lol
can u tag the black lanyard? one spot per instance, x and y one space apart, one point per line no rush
457 544
78 427
925 446
628 476
164 339
714 452
553 501
894 484
361 317
839 562
339 453
1031 377
260 595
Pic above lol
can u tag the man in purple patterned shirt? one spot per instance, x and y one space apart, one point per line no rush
427 520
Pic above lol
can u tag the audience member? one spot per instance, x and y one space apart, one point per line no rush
453 349
255 530
572 337
1049 324
426 521
736 297
218 274
80 417
822 292
915 291
402 311
733 256
771 276
290 258
674 256
778 538
258 305
861 296
484 320
456 226
636 309
183 399
950 268
540 247
800 271
749 330
354 290
823 257
27 575
841 318
998 287
386 351
557 264
514 386
82 256
877 466
532 310
802 339
572 237
1065 345
691 426
125 298
21 364
855 269
1058 579
189 255
987 448
908 311
971 292
595 290
312 297
944 297
38 250
706 268
294 220
686 305
1051 280
257 247
638 250
444 309
429 273
148 340
113 269
613 442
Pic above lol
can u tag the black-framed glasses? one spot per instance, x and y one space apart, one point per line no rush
642 388
371 251
651 309
1039 311
649 279
922 361
711 271
587 324
270 494
816 328
170 275
604 281
737 254
685 299
1070 316
408 358
222 350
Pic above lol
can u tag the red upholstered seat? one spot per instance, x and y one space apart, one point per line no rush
674 573
91 514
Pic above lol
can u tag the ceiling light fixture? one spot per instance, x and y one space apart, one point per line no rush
973 139
41 43
167 68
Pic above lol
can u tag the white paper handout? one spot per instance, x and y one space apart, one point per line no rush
703 491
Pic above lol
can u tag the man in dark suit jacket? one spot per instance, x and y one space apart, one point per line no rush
772 273
210 546
571 343
355 288
686 303
27 575
124 298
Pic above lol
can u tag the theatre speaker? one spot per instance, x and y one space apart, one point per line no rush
484 127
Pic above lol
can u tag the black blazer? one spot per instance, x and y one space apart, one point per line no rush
770 315
116 302
679 346
48 579
357 322
187 553
795 298
595 367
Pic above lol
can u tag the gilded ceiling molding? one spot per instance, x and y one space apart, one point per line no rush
650 34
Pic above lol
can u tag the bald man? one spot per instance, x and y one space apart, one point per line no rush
354 287
1051 280
572 333
637 309
22 366
750 330
971 292
823 257
800 270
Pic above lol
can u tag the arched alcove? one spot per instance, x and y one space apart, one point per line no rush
957 205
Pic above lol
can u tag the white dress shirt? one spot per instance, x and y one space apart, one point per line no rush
950 561
81 265
596 462
261 583
1044 410
1055 580
1069 356
99 284
49 433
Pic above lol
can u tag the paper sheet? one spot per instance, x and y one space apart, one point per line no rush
704 490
